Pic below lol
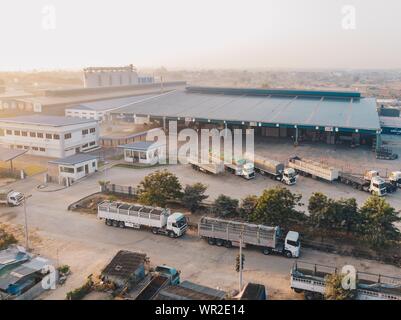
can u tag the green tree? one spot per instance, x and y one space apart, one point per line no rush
317 207
277 207
224 205
248 205
159 187
193 196
379 218
334 289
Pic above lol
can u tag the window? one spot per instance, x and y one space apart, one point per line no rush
19 147
24 133
92 130
9 132
67 136
92 143
49 136
84 132
40 135
85 145
32 134
143 155
42 149
26 147
35 148
80 169
93 164
17 133
56 137
67 169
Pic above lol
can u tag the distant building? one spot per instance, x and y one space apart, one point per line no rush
110 77
144 152
49 136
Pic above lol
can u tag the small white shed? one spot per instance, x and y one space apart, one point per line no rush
144 152
75 167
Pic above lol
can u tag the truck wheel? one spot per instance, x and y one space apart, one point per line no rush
155 231
219 242
211 241
266 251
115 223
309 296
228 244
121 224
109 222
288 254
171 234
298 290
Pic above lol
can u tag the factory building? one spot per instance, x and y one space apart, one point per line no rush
49 136
326 116
98 77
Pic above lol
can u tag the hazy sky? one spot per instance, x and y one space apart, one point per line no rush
199 34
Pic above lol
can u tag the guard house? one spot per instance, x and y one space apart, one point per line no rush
73 168
144 152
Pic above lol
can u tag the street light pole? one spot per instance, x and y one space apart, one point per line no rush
240 262
26 223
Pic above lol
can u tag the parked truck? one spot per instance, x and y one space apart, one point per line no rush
308 167
369 182
215 165
275 170
395 178
241 168
10 197
310 279
158 220
229 233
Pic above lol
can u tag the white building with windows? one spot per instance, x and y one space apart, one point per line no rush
49 136
75 167
144 152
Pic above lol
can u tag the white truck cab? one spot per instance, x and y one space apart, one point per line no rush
11 198
289 176
177 223
292 245
248 170
378 186
395 178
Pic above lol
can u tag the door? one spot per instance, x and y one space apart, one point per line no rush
86 169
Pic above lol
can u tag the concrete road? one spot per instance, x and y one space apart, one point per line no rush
86 244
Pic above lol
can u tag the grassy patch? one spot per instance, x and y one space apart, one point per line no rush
6 239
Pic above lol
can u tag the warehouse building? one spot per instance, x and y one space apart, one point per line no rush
49 136
327 116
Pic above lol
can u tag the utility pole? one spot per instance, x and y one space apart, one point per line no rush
240 262
26 223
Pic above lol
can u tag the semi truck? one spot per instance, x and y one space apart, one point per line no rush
275 170
158 220
215 166
241 168
308 167
10 197
369 182
310 279
395 178
231 233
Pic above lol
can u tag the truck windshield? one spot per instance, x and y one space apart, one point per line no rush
293 243
180 223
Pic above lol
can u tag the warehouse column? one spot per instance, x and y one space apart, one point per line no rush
378 141
164 124
296 136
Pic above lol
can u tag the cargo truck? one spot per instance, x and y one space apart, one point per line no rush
10 197
229 233
275 170
395 178
158 220
241 168
308 167
310 279
215 165
369 182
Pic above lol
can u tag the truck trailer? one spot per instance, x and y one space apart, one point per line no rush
158 220
311 168
310 279
229 233
369 182
215 165
10 197
275 170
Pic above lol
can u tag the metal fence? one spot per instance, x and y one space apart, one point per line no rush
118 189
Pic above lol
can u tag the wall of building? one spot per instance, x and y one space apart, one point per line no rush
110 77
86 114
55 142
76 172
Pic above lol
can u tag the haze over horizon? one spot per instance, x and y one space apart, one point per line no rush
223 34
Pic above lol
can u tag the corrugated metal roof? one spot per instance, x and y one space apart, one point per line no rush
124 264
75 159
41 120
344 112
105 105
139 145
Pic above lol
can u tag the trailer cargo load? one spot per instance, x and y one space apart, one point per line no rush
315 169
